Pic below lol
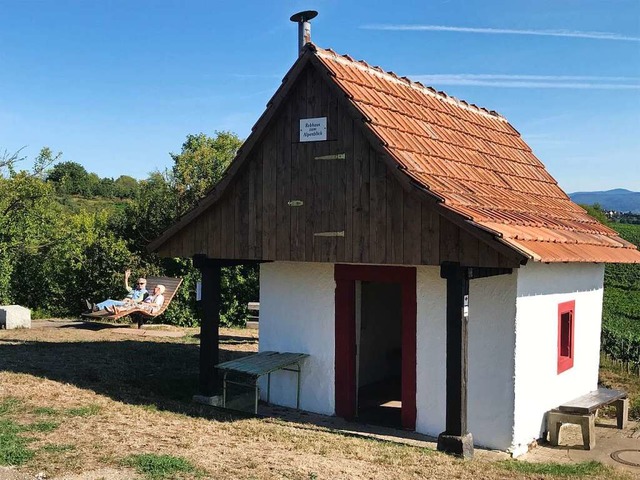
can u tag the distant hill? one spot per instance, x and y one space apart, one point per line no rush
619 199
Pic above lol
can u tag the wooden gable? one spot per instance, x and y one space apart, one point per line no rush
338 200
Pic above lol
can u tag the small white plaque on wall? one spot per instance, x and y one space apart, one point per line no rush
313 129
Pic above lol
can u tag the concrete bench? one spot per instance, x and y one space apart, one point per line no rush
583 410
14 316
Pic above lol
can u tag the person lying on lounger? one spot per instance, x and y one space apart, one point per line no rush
134 297
151 304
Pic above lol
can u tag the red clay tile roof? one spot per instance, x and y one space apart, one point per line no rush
477 163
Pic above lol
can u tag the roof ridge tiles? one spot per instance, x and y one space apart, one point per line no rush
407 82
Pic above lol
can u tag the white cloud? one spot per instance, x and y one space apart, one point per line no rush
530 81
505 31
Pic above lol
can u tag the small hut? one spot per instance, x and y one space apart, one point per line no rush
414 247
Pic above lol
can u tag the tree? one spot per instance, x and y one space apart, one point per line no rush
69 178
596 212
45 158
201 164
151 212
26 217
126 187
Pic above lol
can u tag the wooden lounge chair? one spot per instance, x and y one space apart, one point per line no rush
171 286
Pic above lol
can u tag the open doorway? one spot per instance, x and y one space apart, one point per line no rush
379 352
386 289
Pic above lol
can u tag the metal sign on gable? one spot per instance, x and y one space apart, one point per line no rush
313 129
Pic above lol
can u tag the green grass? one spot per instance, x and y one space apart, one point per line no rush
582 469
158 467
13 447
45 411
58 448
86 411
10 405
41 427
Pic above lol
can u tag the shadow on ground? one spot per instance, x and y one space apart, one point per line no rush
160 373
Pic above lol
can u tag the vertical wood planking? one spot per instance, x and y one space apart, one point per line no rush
299 175
204 231
488 257
349 183
325 194
378 209
259 213
251 220
411 228
242 208
228 223
449 241
305 153
269 227
195 232
395 221
188 238
430 241
362 197
336 179
216 239
469 249
505 262
283 181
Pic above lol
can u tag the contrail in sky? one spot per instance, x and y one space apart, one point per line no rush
504 31
530 81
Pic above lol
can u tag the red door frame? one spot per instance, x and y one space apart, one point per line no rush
345 330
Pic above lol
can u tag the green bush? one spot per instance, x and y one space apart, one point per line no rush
60 245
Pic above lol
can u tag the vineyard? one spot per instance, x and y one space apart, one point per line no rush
621 309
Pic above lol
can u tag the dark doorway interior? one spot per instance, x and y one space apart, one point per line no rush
379 354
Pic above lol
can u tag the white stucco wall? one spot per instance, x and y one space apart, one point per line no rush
491 357
490 390
431 351
297 314
538 386
513 378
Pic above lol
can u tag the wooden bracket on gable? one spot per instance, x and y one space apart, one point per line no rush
336 156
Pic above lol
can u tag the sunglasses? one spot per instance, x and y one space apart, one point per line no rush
140 283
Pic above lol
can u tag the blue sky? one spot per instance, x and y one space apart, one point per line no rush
116 85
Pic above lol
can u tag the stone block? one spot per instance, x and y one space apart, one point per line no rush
460 446
15 316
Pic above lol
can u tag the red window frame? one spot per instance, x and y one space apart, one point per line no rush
566 329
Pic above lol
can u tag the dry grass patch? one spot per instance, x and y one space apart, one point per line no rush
127 401
614 376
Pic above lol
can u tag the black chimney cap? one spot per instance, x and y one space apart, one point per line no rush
303 16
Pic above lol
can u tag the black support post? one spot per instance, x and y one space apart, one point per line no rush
210 323
456 439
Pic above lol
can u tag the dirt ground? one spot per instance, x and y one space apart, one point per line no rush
111 394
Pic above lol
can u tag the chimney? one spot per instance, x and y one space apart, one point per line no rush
304 27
